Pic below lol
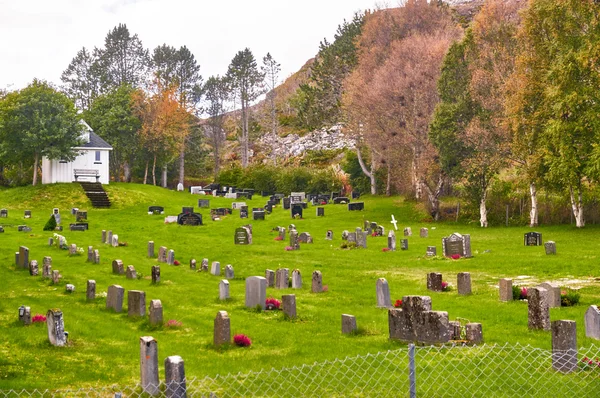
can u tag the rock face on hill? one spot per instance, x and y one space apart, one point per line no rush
295 145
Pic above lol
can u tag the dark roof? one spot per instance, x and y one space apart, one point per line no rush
96 142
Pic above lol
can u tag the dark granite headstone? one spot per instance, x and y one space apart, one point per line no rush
81 215
244 212
242 236
320 211
187 210
77 227
203 203
286 203
341 200
296 211
189 219
532 239
258 215
3 213
356 206
156 210
457 244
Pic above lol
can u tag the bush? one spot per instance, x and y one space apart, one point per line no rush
569 298
519 293
50 224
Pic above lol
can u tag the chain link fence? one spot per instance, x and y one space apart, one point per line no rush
446 371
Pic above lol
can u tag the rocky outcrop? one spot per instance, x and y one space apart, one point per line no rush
295 145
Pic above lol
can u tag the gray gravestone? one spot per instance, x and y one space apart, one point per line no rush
564 346
23 257
296 279
329 235
193 264
532 239
72 249
90 254
538 311
204 265
434 281
224 290
96 256
149 365
222 329
431 251
175 386
25 315
130 273
115 240
348 324
171 257
408 231
424 233
506 293
33 268
270 277
282 278
404 244
162 254
474 333
288 302
256 291
47 267
242 236
463 282
156 312
55 277
317 282
155 273
361 239
136 303
391 241
383 293
90 293
150 249
114 298
215 268
56 328
550 247
592 322
553 294
109 236
294 242
416 322
229 274
103 236
117 267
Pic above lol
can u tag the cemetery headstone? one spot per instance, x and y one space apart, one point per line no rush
204 265
463 283
356 206
553 294
288 302
56 328
55 277
407 231
109 236
305 237
457 244
341 200
193 264
90 292
130 273
320 212
23 228
474 333
424 233
415 321
72 249
286 203
162 254
190 218
538 310
136 303
175 384
317 282
242 236
564 346
294 241
505 286
204 203
270 277
244 212
215 268
171 257
383 293
25 315
434 281
224 290
3 213
81 215
156 312
23 256
391 245
47 267
117 267
155 273
282 278
27 214
70 288
281 232
296 210
532 239
103 236
348 324
150 249
96 256
149 365
258 215
256 291
404 244
361 239
33 268
550 247
90 254
296 279
592 322
114 298
222 329
229 274
329 235
156 210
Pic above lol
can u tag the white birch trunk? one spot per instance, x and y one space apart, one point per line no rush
577 206
370 174
164 176
35 168
483 210
533 214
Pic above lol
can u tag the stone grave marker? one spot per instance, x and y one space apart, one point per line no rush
151 249
136 303
404 244
348 324
415 321
155 273
90 292
56 215
242 236
474 333
70 288
341 200
27 214
463 282
317 282
270 277
47 267
187 210
361 239
550 247
23 257
391 243
193 219
23 228
294 241
281 233
149 365
204 203
90 254
305 237
162 254
130 273
56 328
532 239
193 264
156 210
229 274
592 322
564 346
114 298
256 291
329 235
553 294
282 278
244 212
224 290
296 279
72 249
288 302
33 268
296 210
424 233
383 293
222 329
258 215
408 231
81 215
103 235
320 212
109 236
171 257
431 251
356 206
457 244
25 315
117 267
538 310
175 382
286 203
215 268
55 277
434 281
204 265
156 312
3 213
171 219
96 256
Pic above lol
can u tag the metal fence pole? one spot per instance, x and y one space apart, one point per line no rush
412 374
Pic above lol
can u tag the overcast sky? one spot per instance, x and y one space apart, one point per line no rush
39 38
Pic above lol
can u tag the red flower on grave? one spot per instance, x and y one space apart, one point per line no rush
278 238
455 256
374 234
38 318
325 288
445 287
272 304
289 248
242 340
172 323
176 262
398 303
385 249
323 202
523 293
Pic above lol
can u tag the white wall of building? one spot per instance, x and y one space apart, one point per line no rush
58 171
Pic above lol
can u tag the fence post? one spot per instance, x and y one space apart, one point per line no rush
412 374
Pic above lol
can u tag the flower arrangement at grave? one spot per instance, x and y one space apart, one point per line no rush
241 340
289 248
446 287
385 249
569 298
38 318
173 323
278 238
176 262
455 256
61 242
272 304
519 293
325 288
589 363
398 304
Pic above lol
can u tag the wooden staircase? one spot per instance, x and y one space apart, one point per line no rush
96 194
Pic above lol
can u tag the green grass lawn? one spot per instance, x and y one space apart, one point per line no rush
104 346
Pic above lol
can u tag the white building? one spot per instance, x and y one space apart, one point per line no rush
91 161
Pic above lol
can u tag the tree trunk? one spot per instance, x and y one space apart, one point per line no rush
483 210
415 177
577 206
388 182
433 197
35 168
217 149
146 172
164 176
244 134
370 174
533 214
182 165
154 171
126 172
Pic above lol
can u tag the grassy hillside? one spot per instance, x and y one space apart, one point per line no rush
104 346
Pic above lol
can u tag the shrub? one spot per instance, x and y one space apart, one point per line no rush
50 224
242 340
569 298
446 287
519 293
